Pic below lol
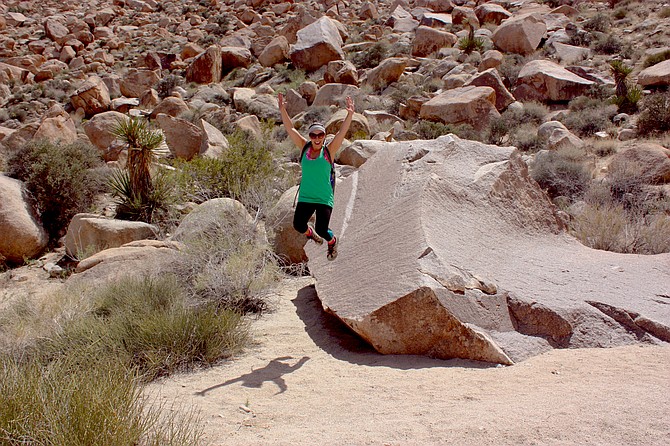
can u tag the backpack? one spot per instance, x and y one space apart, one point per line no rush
326 154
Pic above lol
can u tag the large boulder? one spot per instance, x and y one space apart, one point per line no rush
136 82
217 214
359 124
558 136
88 234
521 34
318 44
274 52
93 96
138 258
470 105
234 57
649 161
56 126
656 75
448 248
22 236
491 78
428 40
100 131
287 243
542 80
184 139
386 73
492 13
334 94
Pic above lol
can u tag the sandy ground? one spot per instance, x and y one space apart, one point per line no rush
308 381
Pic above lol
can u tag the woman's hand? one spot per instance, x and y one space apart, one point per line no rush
350 105
280 99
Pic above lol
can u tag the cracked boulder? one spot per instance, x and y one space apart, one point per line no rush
448 248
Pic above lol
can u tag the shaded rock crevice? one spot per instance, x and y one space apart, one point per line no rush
634 322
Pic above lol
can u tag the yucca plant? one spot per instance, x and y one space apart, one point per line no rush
471 43
142 142
626 98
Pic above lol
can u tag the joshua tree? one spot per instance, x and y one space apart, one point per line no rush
625 98
142 141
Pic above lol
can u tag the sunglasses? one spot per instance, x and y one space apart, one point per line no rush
317 135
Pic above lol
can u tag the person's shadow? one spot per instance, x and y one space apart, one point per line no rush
274 371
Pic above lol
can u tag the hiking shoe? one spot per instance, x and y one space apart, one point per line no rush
332 250
316 238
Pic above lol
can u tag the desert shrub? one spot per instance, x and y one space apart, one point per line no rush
602 148
587 121
469 44
292 78
148 325
60 178
598 23
60 404
664 13
433 130
561 173
608 44
510 67
620 13
246 172
229 266
167 84
655 115
372 56
636 222
526 139
656 58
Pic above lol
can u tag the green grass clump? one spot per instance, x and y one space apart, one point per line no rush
63 404
247 172
372 56
148 324
60 179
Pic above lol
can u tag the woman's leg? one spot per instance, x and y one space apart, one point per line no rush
323 220
303 212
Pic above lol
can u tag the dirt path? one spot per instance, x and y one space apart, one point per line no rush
307 381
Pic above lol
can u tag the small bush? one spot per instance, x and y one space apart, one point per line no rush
246 172
526 139
598 23
664 13
433 130
317 114
60 404
167 84
608 44
147 324
589 115
292 77
230 267
655 115
470 44
372 56
656 58
61 179
560 174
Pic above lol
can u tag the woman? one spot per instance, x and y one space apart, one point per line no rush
316 193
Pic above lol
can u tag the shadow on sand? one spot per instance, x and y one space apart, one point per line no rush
273 372
337 339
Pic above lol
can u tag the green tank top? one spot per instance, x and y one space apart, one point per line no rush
315 184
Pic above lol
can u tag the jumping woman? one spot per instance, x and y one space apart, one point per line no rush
316 190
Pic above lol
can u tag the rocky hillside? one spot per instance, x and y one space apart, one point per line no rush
579 87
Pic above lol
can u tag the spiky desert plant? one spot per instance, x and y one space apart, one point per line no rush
142 142
625 98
